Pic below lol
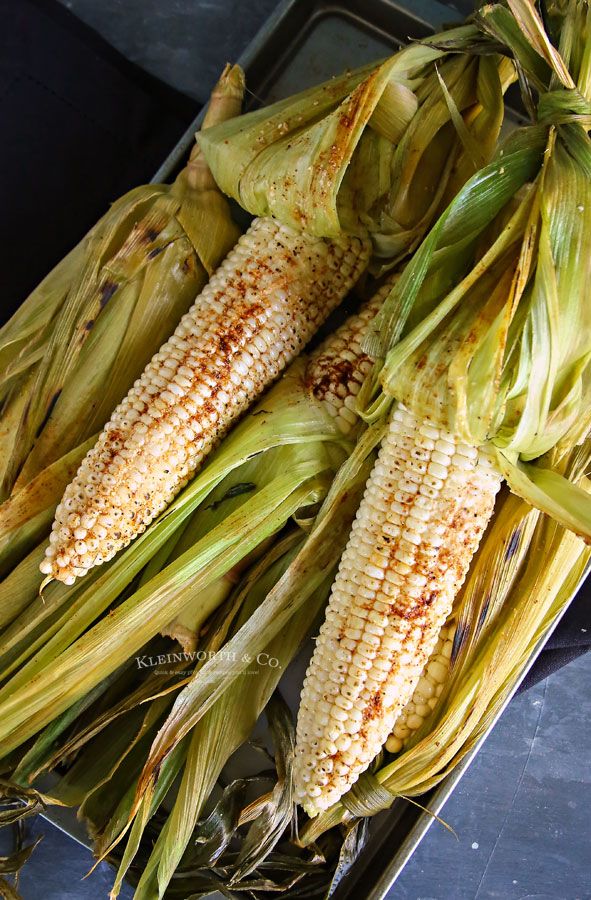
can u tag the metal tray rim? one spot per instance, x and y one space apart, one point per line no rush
429 13
182 146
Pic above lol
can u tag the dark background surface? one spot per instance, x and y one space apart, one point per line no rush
521 812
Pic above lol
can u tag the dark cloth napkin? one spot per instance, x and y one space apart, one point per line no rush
80 126
571 638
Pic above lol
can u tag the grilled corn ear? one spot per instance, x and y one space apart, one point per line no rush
261 306
426 505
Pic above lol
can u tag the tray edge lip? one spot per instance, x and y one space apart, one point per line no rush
430 13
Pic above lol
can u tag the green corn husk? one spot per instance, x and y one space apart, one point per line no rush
304 576
487 331
525 556
374 151
236 704
83 336
223 729
274 626
217 697
301 421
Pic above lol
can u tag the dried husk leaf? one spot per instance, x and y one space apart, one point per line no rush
372 151
290 418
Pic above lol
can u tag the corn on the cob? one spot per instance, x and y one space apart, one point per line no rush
426 505
260 307
337 368
427 692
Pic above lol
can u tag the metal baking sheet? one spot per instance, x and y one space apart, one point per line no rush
305 42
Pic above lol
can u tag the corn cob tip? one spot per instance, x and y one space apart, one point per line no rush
232 80
226 98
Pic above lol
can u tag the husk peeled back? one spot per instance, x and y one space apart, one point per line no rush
488 332
372 151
